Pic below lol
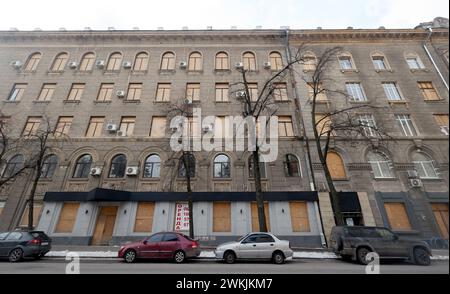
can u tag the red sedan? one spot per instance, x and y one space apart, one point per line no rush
166 245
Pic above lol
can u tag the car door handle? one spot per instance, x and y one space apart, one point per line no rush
254 245
271 245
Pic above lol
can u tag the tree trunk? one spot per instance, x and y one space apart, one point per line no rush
31 198
187 166
259 193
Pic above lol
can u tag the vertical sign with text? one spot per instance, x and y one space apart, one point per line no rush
181 217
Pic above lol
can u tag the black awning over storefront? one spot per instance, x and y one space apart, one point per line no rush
349 202
105 195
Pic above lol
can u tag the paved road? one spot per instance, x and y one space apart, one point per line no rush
301 266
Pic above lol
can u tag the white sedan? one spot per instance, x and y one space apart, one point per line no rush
255 246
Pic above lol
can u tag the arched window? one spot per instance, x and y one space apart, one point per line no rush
292 166
380 164
13 166
379 61
60 62
276 61
49 166
152 166
82 166
249 60
346 61
262 168
190 160
424 165
114 62
195 61
336 166
168 61
141 62
33 61
118 166
222 166
87 62
309 61
222 61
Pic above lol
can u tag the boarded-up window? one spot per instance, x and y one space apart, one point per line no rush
255 219
428 91
336 166
440 211
67 218
158 129
144 217
442 121
299 216
397 216
323 125
222 217
37 210
2 205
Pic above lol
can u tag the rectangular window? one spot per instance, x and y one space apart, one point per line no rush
346 62
320 96
280 92
392 91
222 217
440 211
76 92
193 92
442 121
2 205
406 124
32 126
63 126
356 92
414 63
285 126
222 92
220 127
255 218
17 92
127 125
134 92
144 217
193 128
46 92
253 89
397 216
428 91
379 63
37 211
323 124
105 92
163 92
67 218
299 216
158 129
95 127
368 121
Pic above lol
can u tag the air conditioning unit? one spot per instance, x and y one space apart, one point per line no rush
127 65
208 129
16 64
183 65
100 63
132 170
415 183
96 171
111 127
240 95
120 94
73 65
187 101
120 133
267 65
445 130
239 65
413 174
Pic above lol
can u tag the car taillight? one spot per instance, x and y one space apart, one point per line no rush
35 242
194 245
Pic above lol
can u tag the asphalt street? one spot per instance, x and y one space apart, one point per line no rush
297 266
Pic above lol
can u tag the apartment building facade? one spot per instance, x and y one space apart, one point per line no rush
116 179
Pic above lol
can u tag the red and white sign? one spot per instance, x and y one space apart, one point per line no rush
181 217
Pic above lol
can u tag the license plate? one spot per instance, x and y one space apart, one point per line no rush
44 243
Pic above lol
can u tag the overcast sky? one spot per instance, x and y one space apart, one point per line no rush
221 14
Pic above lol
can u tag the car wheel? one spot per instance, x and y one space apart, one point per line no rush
179 257
278 258
15 255
361 255
130 256
421 257
229 257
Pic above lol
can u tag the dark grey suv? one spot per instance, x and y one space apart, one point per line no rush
354 243
21 244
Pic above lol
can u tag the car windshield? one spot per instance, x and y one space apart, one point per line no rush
242 238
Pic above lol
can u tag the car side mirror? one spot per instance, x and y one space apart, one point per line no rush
145 242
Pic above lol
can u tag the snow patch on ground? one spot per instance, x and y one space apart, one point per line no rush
105 254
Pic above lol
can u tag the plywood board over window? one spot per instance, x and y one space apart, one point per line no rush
255 219
299 216
67 218
397 216
440 211
144 217
222 217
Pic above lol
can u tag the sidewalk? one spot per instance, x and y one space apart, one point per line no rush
59 251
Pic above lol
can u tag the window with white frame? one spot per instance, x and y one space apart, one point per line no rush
346 63
380 164
414 62
406 124
379 62
368 122
424 165
392 91
356 92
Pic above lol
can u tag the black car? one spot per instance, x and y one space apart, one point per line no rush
18 245
354 243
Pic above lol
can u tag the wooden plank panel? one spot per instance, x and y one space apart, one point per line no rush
221 217
397 216
440 211
104 227
144 217
336 166
299 216
255 219
67 218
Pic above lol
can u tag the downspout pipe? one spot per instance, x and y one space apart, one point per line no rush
430 33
